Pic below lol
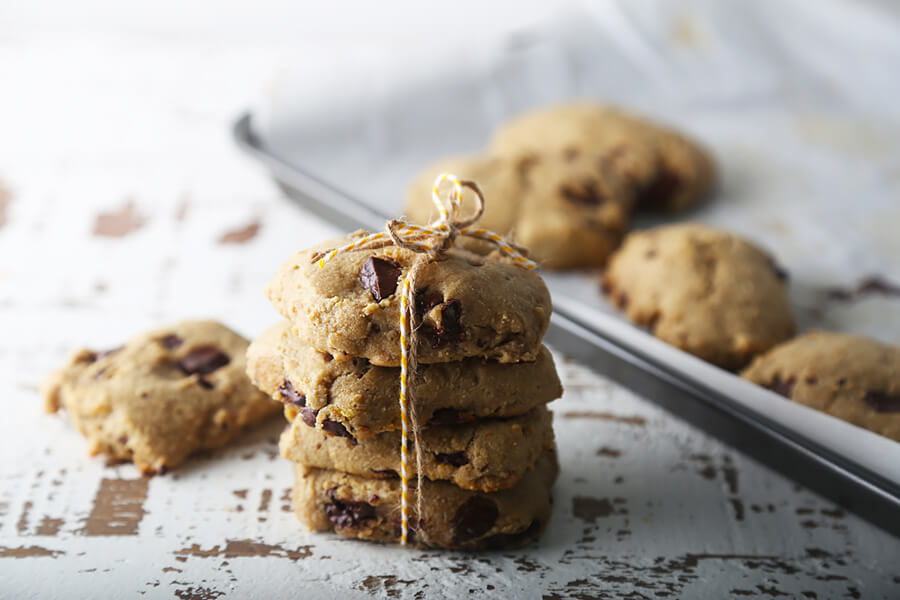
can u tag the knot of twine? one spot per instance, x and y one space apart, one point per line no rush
430 241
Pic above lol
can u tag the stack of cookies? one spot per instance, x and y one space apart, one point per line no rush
481 385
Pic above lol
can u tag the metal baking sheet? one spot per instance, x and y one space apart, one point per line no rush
795 141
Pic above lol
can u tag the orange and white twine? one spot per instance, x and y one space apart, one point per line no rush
431 240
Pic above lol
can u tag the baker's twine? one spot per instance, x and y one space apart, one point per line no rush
431 241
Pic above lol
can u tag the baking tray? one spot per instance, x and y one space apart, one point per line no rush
705 396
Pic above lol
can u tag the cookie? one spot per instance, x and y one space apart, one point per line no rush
355 399
162 396
668 171
486 456
567 210
466 304
705 291
369 509
847 376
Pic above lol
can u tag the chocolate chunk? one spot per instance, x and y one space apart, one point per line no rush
426 300
456 459
474 518
308 414
660 191
449 416
585 193
345 514
451 326
379 276
450 331
205 383
171 341
203 360
785 388
291 396
338 429
882 402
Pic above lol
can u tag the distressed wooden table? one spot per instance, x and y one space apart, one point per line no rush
125 206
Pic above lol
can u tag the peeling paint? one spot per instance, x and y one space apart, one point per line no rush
119 223
245 548
118 507
49 526
242 234
22 524
29 552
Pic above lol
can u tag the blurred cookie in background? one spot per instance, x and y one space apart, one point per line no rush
851 377
703 290
666 170
566 210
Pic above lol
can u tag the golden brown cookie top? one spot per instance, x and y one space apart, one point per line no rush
703 290
567 210
466 304
668 171
849 376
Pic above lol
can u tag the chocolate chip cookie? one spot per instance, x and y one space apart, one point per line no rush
357 400
466 305
369 509
848 376
703 290
162 396
486 456
568 210
668 171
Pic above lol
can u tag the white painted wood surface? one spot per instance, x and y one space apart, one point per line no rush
644 506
